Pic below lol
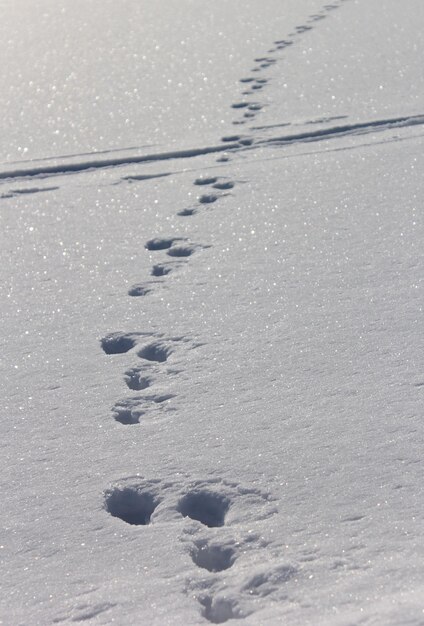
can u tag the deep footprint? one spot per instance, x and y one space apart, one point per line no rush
208 198
117 343
131 505
224 185
206 180
206 507
127 412
139 290
181 251
162 269
157 351
214 558
136 379
161 244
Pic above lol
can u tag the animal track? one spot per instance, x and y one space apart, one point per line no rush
127 412
133 505
228 138
156 351
187 212
208 198
224 185
161 243
136 380
212 556
220 609
205 506
206 180
139 290
161 269
118 343
224 600
181 251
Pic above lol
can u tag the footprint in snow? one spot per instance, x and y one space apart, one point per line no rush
208 198
120 342
214 555
206 180
224 185
210 502
136 379
161 243
133 503
129 411
187 212
139 289
223 600
162 269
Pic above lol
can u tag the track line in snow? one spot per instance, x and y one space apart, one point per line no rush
252 84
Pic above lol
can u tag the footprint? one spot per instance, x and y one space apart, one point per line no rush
161 269
181 251
139 290
128 412
220 608
161 243
224 185
205 506
284 42
303 28
187 212
207 180
212 556
269 578
119 342
133 505
230 138
136 379
156 351
208 198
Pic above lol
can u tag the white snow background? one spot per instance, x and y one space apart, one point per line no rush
212 371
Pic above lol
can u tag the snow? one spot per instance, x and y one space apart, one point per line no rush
212 374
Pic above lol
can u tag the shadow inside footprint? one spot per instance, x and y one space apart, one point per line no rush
220 609
131 505
206 507
135 379
186 212
117 343
224 185
160 243
213 558
138 290
155 352
161 270
208 198
206 181
180 251
126 416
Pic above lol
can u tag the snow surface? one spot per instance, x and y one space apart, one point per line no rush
212 372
